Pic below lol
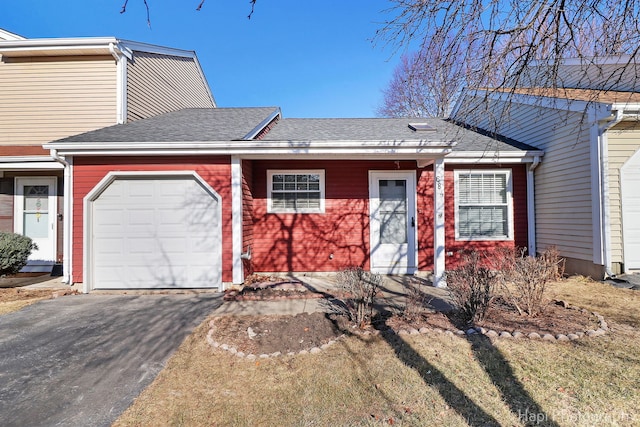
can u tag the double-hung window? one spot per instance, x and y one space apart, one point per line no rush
295 191
483 208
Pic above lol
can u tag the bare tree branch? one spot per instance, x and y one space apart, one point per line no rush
146 5
253 6
507 44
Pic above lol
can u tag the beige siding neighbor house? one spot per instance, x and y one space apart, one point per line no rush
55 88
587 189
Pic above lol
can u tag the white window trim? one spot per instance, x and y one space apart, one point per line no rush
509 180
272 172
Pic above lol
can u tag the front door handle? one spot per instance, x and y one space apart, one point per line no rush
413 222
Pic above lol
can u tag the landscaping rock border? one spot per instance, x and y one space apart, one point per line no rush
215 344
603 328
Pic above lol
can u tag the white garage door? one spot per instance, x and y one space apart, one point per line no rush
630 190
156 233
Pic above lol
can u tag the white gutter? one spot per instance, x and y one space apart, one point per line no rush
53 47
531 207
28 162
493 157
86 45
602 152
67 200
254 147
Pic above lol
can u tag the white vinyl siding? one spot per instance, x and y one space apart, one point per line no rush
43 99
562 180
624 141
300 191
158 84
483 205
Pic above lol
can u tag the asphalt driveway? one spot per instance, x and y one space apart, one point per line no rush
81 360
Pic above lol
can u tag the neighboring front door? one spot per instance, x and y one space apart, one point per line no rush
35 214
630 198
393 231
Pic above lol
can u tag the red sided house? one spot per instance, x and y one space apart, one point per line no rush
198 198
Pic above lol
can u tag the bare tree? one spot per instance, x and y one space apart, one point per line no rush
420 90
509 44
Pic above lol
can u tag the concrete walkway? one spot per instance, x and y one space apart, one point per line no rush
393 296
38 282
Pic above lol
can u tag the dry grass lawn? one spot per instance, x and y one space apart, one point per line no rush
431 379
14 299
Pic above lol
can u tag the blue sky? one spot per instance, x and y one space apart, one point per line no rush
312 58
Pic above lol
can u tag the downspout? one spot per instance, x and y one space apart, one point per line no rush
121 79
67 198
531 206
603 148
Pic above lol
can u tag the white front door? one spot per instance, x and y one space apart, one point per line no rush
35 214
392 197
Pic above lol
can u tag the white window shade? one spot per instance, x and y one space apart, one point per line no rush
483 205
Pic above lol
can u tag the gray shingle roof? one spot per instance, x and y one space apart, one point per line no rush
396 129
233 124
192 124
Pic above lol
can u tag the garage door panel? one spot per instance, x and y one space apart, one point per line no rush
156 233
112 217
109 245
140 217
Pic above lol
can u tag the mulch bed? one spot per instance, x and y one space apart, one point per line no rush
270 334
284 334
555 319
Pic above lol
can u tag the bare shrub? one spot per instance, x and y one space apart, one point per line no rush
472 287
416 301
363 286
524 284
554 264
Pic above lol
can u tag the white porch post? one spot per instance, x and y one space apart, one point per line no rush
531 207
67 223
236 215
439 280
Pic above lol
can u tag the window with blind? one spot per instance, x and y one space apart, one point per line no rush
297 191
483 205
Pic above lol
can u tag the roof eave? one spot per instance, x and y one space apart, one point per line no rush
629 110
495 156
82 46
51 47
256 148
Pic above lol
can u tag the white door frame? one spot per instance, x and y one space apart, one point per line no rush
628 189
410 266
47 249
